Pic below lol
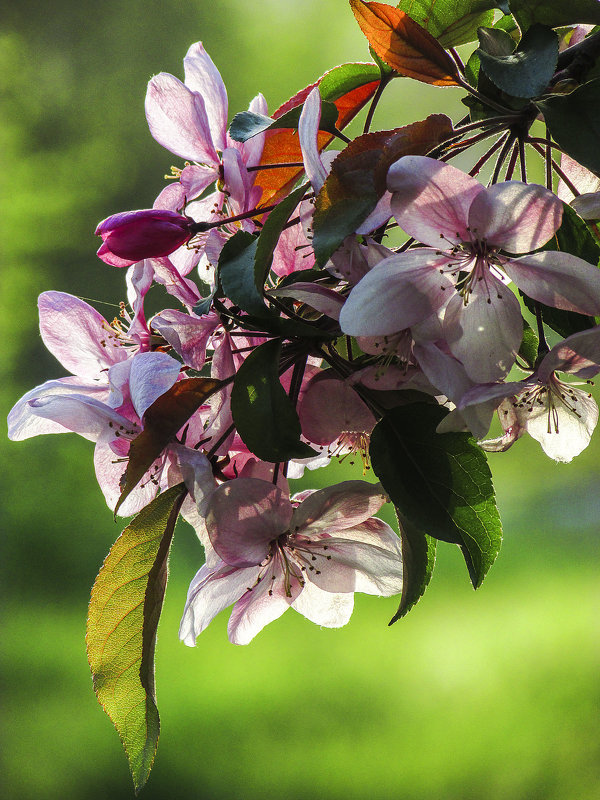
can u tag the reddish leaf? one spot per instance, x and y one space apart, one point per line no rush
282 146
162 420
358 178
404 45
123 617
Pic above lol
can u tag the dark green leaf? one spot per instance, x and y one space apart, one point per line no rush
264 415
452 22
123 617
440 482
555 12
574 122
247 124
495 42
418 560
527 71
271 231
237 275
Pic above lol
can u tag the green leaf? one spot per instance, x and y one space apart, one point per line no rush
123 617
574 122
529 345
418 560
555 12
264 415
573 237
345 78
237 274
271 231
527 71
440 482
451 22
247 124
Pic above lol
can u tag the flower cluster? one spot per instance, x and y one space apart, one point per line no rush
299 336
326 346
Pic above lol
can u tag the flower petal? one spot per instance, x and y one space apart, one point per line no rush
244 516
336 508
212 590
308 129
263 603
557 279
330 609
397 293
565 429
515 216
485 335
202 76
431 200
90 346
152 374
178 120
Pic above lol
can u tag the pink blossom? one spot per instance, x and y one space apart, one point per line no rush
131 236
462 272
559 415
266 555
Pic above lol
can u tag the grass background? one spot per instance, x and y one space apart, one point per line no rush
490 694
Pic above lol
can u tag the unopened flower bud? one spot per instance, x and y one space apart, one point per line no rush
131 236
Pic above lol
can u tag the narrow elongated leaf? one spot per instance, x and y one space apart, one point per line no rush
403 44
247 124
123 616
349 87
357 178
271 231
264 415
167 415
574 122
451 22
418 561
440 482
527 71
555 13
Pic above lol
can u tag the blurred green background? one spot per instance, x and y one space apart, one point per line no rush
493 694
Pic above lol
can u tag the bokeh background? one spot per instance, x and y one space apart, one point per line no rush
491 694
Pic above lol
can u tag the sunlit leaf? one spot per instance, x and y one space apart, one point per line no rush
404 45
357 178
264 415
451 22
441 483
167 415
123 616
529 345
348 87
527 71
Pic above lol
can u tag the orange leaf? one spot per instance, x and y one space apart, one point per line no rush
282 145
404 45
162 420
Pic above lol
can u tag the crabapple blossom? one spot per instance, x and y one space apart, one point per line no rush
559 415
270 555
462 271
131 236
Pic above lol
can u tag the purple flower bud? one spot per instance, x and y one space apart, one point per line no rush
131 236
